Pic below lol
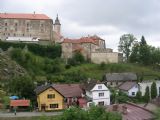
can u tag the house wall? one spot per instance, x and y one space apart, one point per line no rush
42 99
42 29
133 89
95 94
99 57
143 85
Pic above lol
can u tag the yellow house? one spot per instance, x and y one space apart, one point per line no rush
57 96
49 99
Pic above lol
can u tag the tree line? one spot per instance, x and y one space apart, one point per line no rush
135 51
50 51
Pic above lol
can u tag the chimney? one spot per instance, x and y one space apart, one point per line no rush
115 107
124 109
34 13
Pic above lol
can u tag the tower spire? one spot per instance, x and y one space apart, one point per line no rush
57 22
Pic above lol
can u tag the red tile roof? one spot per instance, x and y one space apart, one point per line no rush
24 16
134 112
16 103
81 40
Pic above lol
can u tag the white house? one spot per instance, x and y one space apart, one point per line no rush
144 84
98 94
130 88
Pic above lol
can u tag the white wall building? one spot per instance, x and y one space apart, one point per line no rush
98 94
130 88
144 84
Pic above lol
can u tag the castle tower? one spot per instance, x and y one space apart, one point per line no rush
57 26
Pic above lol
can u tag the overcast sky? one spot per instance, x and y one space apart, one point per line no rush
108 19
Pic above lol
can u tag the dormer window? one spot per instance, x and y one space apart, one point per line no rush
100 87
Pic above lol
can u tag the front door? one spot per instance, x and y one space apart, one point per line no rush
43 107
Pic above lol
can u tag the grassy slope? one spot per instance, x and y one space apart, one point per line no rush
94 71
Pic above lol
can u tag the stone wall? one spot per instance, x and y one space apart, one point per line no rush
99 57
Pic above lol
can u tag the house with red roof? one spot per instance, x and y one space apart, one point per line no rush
20 104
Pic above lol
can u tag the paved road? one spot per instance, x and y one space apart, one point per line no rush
29 114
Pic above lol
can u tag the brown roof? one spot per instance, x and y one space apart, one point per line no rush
66 90
23 16
127 85
69 90
134 112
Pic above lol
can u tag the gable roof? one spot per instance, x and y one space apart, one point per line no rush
120 76
66 90
16 103
127 85
24 16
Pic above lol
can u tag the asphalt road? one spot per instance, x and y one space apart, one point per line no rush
29 114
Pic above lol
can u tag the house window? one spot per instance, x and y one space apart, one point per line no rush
101 103
53 105
116 83
133 93
99 87
101 94
51 96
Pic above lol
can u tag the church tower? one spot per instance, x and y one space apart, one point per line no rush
57 26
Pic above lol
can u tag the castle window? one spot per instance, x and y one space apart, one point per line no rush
27 29
4 34
16 24
42 30
23 34
6 24
5 29
8 34
15 29
14 34
27 24
41 25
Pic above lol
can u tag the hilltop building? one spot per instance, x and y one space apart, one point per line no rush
92 48
30 25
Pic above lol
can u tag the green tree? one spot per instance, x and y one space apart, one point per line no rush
22 86
125 44
144 52
153 90
134 57
139 96
147 95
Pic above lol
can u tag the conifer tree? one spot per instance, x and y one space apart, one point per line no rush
153 90
147 95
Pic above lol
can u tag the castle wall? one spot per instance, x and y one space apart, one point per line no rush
26 28
99 57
